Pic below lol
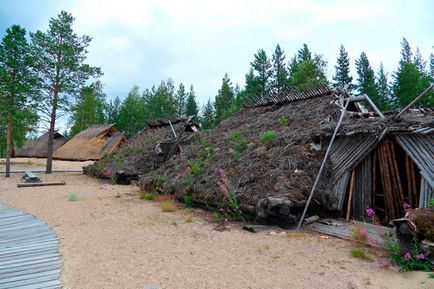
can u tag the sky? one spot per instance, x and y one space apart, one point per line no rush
197 42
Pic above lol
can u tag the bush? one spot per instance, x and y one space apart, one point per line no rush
148 197
73 197
283 121
411 260
168 206
268 137
188 201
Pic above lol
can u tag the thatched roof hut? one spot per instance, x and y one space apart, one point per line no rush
147 150
37 148
268 155
91 144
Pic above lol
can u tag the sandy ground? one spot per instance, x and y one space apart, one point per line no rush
39 164
110 238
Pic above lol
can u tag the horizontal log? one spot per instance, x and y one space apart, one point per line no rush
25 185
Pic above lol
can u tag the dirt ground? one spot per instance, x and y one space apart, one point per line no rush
109 238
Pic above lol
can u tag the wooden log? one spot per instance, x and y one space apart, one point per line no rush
414 184
374 180
350 196
409 185
398 178
25 185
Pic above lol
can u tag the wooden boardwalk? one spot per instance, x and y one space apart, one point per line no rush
29 257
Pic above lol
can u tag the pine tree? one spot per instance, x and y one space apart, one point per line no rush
262 66
431 65
191 104
223 100
383 90
17 84
304 53
252 86
343 76
279 81
366 78
89 109
181 96
58 56
409 81
160 102
405 51
208 116
418 61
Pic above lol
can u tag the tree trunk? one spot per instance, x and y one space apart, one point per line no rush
51 134
9 147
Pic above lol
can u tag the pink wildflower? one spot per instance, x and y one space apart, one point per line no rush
383 263
363 233
407 256
221 170
406 206
370 212
421 256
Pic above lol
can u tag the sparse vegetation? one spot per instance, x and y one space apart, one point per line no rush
148 197
414 259
73 197
168 206
268 136
188 219
361 253
216 217
283 121
195 166
188 201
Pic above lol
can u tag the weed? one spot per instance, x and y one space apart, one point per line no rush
216 217
234 135
361 253
232 207
73 197
188 201
188 219
168 206
236 154
148 197
195 166
360 235
268 137
283 121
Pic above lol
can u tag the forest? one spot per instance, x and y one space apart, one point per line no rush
43 76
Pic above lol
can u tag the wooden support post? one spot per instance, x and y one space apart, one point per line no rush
350 196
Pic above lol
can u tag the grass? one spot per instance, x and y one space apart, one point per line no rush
73 197
195 166
148 197
168 206
216 217
268 137
361 253
188 201
188 219
283 121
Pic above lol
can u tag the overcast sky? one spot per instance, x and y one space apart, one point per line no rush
144 42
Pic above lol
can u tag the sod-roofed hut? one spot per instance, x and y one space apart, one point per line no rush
37 148
147 150
267 156
91 144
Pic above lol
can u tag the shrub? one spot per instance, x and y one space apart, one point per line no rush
73 197
188 201
361 253
168 206
268 137
283 121
148 197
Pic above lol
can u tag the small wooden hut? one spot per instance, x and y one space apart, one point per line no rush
37 148
91 144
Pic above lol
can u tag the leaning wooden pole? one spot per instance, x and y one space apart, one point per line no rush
323 164
416 99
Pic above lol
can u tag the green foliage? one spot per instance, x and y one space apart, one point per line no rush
262 67
224 100
239 143
191 108
279 75
343 76
216 217
148 197
188 201
408 261
132 113
89 108
431 203
180 97
232 207
207 120
195 166
160 101
234 136
283 121
268 137
384 100
361 253
73 197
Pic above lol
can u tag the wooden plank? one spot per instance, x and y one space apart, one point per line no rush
350 196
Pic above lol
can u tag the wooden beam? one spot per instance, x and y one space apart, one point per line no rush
25 185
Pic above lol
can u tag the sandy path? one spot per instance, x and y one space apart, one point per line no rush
124 242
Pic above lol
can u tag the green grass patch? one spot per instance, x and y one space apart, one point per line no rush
268 137
148 197
73 197
361 253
